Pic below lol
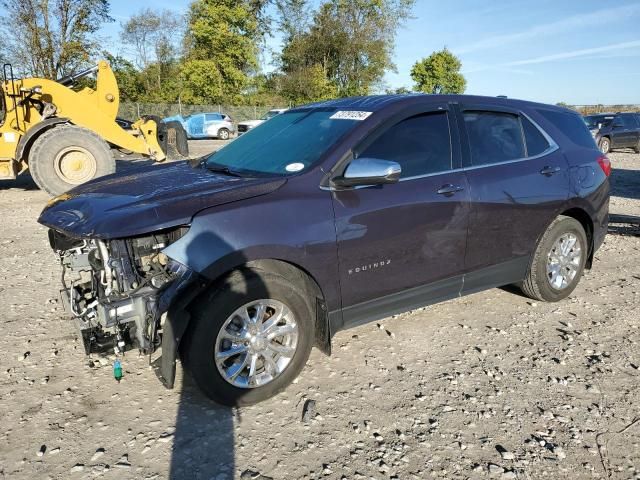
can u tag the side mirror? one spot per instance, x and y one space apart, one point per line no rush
368 171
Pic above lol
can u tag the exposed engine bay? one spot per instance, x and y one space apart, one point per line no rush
117 290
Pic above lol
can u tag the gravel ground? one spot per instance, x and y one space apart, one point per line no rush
487 386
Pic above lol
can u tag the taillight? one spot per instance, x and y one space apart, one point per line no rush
605 165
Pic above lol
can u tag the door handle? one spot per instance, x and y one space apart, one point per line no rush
449 189
548 171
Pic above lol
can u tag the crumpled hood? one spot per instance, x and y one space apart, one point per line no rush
147 199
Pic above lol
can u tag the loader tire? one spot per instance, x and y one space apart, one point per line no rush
66 156
177 147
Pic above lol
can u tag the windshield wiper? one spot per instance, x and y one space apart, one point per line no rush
221 169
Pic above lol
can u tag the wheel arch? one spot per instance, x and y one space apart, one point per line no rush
26 141
586 221
291 271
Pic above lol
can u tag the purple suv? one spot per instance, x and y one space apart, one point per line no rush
326 217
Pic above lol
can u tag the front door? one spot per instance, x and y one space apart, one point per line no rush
196 125
403 244
626 134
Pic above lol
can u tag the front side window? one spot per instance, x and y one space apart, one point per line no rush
288 143
420 144
494 137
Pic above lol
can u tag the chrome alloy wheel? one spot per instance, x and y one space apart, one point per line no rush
563 261
256 343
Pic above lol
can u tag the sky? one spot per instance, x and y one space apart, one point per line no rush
574 51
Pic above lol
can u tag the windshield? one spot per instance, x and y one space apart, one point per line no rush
593 121
288 143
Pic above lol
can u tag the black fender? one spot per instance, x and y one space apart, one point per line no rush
27 139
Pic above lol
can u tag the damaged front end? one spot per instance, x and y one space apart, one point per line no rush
119 292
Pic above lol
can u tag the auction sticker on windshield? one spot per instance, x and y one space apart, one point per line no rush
294 167
349 115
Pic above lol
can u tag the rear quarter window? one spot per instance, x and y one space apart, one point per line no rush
571 125
536 142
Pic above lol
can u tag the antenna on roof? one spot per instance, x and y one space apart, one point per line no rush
502 96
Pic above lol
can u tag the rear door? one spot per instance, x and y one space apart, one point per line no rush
518 179
402 245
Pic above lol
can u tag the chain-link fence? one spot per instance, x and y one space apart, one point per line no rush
591 109
133 111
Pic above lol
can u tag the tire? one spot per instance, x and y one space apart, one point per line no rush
605 145
637 147
213 312
223 134
66 156
176 145
538 283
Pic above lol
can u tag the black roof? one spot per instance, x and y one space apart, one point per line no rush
372 103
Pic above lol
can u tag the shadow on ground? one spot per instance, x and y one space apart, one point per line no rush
624 183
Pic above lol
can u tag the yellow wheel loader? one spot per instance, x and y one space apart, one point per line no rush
64 137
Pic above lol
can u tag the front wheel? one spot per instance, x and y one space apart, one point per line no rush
558 262
605 145
66 156
250 338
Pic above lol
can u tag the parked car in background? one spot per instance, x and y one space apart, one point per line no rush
247 125
206 125
325 217
615 130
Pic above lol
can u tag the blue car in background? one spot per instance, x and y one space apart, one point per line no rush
206 125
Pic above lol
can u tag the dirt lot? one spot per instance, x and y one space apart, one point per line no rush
487 386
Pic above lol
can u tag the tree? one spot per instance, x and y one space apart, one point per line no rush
52 38
350 41
154 37
221 46
439 73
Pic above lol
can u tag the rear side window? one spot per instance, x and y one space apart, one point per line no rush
572 126
211 117
494 137
536 142
420 144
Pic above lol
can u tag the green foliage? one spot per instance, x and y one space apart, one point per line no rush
397 91
129 79
439 73
349 42
221 49
52 38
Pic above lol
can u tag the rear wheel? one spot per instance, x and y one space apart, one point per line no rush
605 145
67 156
250 338
223 134
558 262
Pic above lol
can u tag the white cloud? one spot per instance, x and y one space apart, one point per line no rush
575 53
619 49
597 18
